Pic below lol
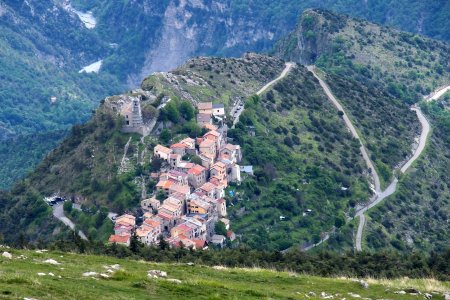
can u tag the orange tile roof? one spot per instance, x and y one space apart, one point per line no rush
208 187
196 170
164 184
178 188
199 244
213 133
161 148
210 127
119 239
151 223
207 143
178 145
163 215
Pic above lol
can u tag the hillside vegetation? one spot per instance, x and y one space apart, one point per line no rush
302 155
41 50
417 215
397 69
60 275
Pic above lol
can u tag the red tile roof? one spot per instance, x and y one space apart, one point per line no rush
119 239
178 145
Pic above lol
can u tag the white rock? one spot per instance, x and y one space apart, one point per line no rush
447 296
174 280
364 284
7 255
88 274
51 261
354 295
51 274
400 292
104 275
326 296
427 296
157 273
41 274
219 268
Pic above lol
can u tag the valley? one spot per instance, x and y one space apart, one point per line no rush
320 144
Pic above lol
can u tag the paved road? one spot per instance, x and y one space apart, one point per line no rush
438 94
422 140
58 212
360 213
283 74
349 124
379 195
393 186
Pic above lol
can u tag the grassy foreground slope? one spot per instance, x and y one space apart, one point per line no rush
28 275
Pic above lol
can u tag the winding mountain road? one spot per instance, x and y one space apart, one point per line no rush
58 212
437 94
351 128
380 195
288 67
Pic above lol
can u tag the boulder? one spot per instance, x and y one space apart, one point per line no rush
51 261
7 255
157 274
173 280
427 296
364 284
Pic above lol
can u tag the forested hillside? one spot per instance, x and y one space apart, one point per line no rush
302 155
397 69
147 28
41 50
45 43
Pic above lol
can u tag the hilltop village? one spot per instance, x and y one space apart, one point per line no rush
189 199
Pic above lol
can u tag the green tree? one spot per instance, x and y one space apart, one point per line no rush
220 228
172 112
187 110
165 136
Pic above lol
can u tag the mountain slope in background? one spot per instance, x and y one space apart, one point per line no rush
45 43
42 48
164 34
397 69
301 152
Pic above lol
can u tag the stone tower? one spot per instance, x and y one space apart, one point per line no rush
131 111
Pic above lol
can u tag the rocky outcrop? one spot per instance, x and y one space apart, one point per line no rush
311 38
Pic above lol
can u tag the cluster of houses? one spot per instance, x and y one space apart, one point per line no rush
193 193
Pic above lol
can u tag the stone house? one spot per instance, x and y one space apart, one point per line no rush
197 176
205 108
162 152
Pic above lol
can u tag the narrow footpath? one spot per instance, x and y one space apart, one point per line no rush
391 189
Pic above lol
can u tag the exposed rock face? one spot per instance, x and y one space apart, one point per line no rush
311 38
187 28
